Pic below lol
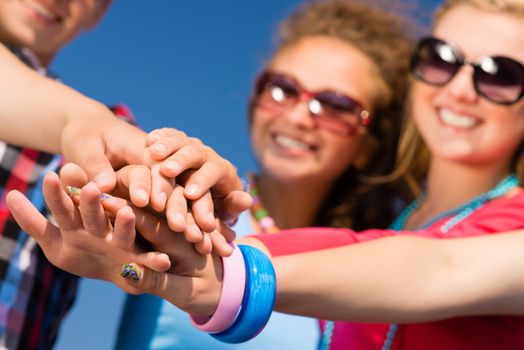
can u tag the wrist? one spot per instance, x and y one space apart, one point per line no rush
232 291
258 290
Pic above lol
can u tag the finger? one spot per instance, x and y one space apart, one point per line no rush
205 246
155 261
191 156
60 204
154 229
112 204
124 229
93 215
198 296
202 210
153 137
161 189
226 231
142 279
72 175
220 176
164 142
220 245
176 210
192 233
134 182
230 207
95 162
34 223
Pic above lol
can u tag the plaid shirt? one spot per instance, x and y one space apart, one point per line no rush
34 295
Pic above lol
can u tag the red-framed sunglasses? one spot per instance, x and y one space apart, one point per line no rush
331 110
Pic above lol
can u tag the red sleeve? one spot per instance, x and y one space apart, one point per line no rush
501 215
302 240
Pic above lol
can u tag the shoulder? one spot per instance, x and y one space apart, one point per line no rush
503 214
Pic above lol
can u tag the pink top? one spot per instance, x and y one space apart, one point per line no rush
504 214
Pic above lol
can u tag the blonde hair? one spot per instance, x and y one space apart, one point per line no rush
510 7
413 155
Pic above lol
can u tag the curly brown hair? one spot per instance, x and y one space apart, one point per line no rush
384 35
414 156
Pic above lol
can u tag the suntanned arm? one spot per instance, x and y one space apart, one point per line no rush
34 110
395 279
405 279
40 113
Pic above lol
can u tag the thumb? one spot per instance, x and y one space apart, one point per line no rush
97 167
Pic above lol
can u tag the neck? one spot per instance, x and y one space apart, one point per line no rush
291 205
446 192
43 60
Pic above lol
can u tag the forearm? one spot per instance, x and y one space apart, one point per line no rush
34 110
405 279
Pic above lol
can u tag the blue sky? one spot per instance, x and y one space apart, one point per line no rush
183 64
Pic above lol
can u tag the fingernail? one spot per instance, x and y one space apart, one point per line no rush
105 196
192 189
160 147
142 195
180 219
153 137
162 197
73 191
195 230
131 272
231 222
172 165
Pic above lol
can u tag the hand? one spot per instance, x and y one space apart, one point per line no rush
213 173
103 143
85 243
135 182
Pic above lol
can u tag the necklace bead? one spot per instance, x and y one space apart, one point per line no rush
258 211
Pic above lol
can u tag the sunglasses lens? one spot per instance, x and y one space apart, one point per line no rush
336 112
499 79
435 62
276 91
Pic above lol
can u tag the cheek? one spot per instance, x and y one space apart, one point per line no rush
80 16
342 154
258 131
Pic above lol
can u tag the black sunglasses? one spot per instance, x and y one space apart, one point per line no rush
331 110
499 79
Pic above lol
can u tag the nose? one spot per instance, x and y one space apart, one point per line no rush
461 86
300 114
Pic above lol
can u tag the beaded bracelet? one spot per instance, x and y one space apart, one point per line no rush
259 298
233 286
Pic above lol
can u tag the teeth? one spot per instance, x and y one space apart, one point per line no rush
456 120
290 143
42 11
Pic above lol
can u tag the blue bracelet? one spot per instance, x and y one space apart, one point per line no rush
258 301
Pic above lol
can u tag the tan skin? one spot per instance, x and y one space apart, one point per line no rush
86 132
198 286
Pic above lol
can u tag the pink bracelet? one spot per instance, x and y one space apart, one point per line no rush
233 285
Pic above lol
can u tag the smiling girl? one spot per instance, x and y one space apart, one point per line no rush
324 114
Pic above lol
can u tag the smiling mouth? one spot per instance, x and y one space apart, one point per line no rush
456 120
291 144
42 12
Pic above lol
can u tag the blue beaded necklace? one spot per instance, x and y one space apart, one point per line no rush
456 215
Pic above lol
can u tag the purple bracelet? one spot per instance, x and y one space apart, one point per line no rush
233 285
